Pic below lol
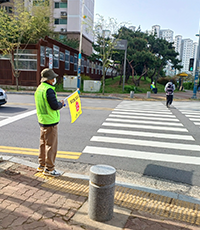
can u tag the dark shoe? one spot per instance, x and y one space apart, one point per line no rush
53 173
40 168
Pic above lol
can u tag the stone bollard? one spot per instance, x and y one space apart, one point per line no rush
131 94
101 192
148 94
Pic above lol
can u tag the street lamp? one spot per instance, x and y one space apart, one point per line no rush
196 69
80 44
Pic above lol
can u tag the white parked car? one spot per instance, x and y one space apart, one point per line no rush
3 97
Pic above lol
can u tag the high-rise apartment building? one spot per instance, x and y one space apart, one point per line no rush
66 18
132 28
177 45
185 47
156 30
194 50
167 35
67 15
186 53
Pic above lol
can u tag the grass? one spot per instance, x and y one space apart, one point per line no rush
112 86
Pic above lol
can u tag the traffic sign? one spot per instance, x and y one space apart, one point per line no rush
50 61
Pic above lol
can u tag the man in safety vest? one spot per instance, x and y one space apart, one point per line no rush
48 114
153 87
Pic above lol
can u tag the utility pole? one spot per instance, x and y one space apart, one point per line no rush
80 45
196 69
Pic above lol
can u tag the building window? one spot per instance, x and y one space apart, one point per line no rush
67 54
48 51
55 56
56 21
63 21
60 5
82 65
62 56
10 10
42 55
75 62
57 5
71 59
27 59
96 67
92 69
60 21
88 66
63 4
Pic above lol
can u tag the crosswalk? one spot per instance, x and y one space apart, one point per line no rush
147 131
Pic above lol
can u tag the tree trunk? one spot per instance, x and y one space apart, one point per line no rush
137 82
17 84
104 73
160 69
16 75
153 75
120 80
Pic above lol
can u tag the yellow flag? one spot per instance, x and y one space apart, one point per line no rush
74 103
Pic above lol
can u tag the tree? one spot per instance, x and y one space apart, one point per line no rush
146 54
139 56
74 43
22 27
104 43
165 53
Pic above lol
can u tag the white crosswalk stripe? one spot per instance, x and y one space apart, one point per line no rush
145 127
142 155
116 114
144 122
144 113
192 115
154 144
140 125
146 134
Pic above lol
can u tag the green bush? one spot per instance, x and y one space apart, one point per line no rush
188 85
129 88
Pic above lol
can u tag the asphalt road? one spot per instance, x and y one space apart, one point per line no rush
138 138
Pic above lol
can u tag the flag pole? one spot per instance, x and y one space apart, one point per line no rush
80 44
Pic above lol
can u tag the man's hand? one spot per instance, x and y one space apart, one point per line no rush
63 102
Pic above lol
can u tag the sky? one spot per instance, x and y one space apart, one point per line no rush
181 16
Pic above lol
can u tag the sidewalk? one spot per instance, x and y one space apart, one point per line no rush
178 96
29 200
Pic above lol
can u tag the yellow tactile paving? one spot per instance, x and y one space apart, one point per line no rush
132 199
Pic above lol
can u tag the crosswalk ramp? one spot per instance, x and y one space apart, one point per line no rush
146 131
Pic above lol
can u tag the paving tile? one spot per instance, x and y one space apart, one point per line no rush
25 204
